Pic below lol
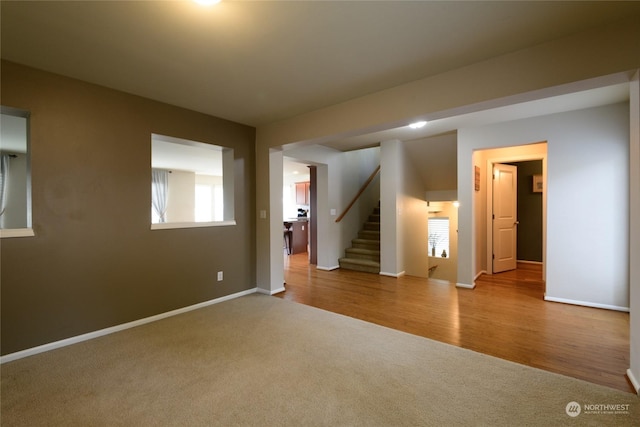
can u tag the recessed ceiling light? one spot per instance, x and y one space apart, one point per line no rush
417 125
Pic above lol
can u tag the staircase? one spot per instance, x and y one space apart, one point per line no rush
364 253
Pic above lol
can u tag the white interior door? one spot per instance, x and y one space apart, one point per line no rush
505 217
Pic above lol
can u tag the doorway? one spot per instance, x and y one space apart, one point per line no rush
515 222
299 207
530 191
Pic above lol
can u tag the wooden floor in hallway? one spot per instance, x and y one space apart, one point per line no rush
504 316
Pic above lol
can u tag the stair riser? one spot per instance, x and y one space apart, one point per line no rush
371 235
356 255
373 245
371 226
366 269
374 218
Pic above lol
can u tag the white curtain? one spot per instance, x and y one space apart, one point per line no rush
4 181
159 192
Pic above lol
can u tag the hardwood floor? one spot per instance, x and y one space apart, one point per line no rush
504 316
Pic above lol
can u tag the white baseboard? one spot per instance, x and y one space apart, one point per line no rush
440 281
529 262
396 275
465 285
91 335
634 381
478 275
587 304
272 292
335 267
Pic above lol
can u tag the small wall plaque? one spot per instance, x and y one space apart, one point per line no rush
537 184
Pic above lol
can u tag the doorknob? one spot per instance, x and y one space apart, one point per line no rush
516 223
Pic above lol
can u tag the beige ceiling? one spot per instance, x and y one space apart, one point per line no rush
261 61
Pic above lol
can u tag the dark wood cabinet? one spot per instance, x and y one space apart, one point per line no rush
302 193
300 230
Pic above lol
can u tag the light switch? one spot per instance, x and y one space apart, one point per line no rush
263 214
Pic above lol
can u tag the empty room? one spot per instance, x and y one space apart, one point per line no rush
159 265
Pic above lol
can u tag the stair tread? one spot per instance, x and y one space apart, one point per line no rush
364 251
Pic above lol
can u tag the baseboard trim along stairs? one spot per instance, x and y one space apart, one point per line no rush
364 253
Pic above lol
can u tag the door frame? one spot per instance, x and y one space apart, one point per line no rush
489 202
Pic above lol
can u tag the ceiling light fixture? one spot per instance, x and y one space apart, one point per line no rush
207 2
417 125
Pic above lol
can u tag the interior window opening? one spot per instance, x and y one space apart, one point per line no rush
191 183
15 174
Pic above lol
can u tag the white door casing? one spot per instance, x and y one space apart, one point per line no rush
505 217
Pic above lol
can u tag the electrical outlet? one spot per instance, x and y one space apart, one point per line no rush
220 276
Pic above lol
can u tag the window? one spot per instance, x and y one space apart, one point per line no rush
15 174
191 184
438 236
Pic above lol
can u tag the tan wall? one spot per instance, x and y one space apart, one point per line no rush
94 262
413 221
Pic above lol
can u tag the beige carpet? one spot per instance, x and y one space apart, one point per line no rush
263 361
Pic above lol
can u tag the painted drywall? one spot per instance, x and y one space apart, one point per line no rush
586 248
634 225
435 160
479 86
94 261
478 211
391 192
358 167
413 220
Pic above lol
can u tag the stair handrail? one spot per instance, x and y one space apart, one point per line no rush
364 187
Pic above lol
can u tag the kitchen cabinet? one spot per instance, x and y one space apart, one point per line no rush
299 237
302 193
